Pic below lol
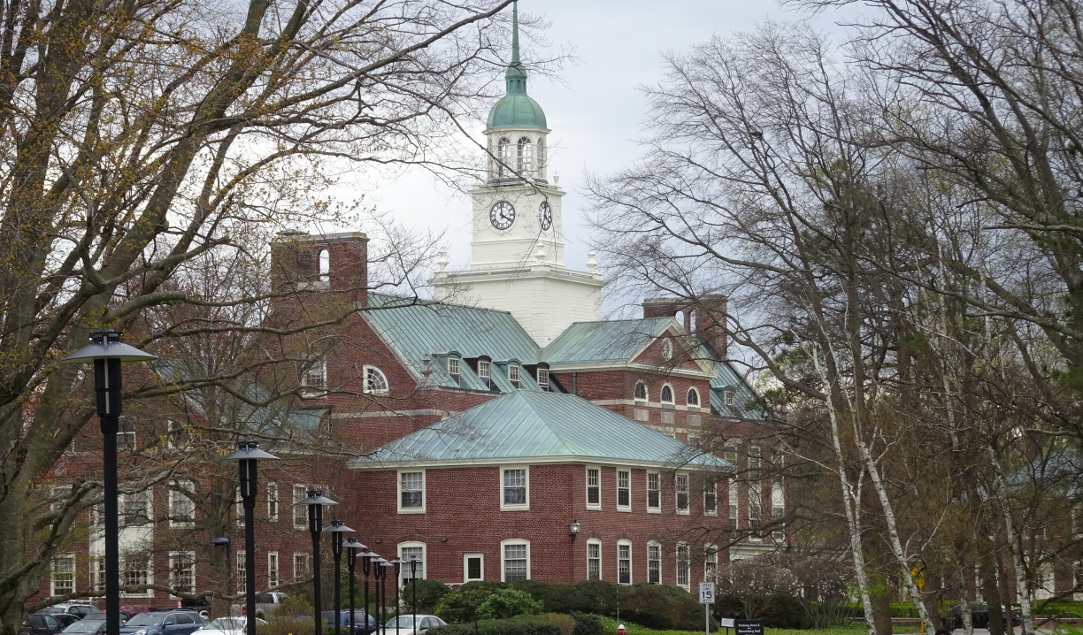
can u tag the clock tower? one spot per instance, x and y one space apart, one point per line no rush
517 250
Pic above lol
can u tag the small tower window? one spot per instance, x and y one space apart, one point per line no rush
503 156
453 369
543 379
513 374
483 372
667 394
325 267
641 392
526 156
693 398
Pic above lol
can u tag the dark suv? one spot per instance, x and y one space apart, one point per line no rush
40 624
176 622
363 624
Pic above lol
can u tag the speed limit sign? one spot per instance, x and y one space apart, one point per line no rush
706 592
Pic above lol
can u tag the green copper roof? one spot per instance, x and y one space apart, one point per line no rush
608 341
745 403
539 425
516 109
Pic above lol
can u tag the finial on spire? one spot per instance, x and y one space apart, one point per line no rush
515 32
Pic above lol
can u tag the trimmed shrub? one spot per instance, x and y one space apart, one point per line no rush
587 624
566 623
462 605
557 597
661 607
530 626
505 603
429 593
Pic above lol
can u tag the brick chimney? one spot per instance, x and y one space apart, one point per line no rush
704 316
334 263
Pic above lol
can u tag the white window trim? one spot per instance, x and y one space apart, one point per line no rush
601 568
398 493
657 509
687 494
586 488
711 487
657 545
616 481
646 393
514 375
272 497
662 395
692 391
405 568
707 551
466 566
308 564
68 557
631 562
188 521
542 376
314 379
272 556
455 368
687 565
513 541
504 507
299 512
172 567
365 370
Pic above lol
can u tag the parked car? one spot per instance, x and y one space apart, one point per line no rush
228 626
404 624
76 608
175 622
363 623
266 604
40 624
85 627
979 615
62 616
99 616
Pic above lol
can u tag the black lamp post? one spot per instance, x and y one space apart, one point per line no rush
413 583
397 563
380 573
224 542
352 547
315 502
367 560
387 567
337 529
247 455
107 352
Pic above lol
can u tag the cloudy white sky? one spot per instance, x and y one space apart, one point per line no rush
593 108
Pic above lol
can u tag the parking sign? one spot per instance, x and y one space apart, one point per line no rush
706 592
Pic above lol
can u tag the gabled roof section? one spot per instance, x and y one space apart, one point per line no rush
414 329
746 404
538 427
607 341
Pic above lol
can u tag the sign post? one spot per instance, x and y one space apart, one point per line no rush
706 598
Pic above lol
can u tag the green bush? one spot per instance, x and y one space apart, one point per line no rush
429 593
505 603
529 626
661 607
587 624
557 597
461 605
566 623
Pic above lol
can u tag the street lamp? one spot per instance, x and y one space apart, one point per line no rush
337 528
246 455
380 573
315 502
352 547
386 566
224 542
368 558
413 583
107 352
397 563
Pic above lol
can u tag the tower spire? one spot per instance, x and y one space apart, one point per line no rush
515 77
515 33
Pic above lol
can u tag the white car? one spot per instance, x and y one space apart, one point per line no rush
404 625
228 626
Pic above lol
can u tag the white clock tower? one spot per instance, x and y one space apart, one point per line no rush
517 251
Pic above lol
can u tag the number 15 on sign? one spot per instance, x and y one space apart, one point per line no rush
706 592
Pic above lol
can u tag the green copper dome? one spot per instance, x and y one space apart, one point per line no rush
516 109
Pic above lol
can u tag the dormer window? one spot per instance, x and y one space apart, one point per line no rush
484 372
513 374
543 379
453 369
727 396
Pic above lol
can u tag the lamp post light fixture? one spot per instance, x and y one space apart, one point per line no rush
368 559
397 563
413 583
315 502
224 542
337 529
247 455
352 546
387 567
573 529
380 573
106 351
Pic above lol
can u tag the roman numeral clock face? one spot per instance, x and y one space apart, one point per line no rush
502 215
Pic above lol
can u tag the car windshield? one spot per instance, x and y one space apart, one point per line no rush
144 619
402 621
227 624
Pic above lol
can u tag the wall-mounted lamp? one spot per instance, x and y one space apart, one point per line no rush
573 529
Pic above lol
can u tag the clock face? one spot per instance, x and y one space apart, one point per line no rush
545 216
502 215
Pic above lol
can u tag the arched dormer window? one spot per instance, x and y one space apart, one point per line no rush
640 393
693 398
667 394
503 157
525 156
375 381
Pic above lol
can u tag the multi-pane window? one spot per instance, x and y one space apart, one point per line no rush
778 509
693 398
667 394
594 487
682 565
375 381
732 495
755 504
300 512
516 561
710 497
135 509
314 379
238 507
301 567
654 563
594 560
503 156
681 490
513 374
624 562
654 493
411 491
624 489
526 156
182 509
473 567
135 572
63 575
241 559
453 369
484 372
640 392
409 572
182 571
727 396
543 379
272 501
272 569
514 487
729 453
754 457
710 563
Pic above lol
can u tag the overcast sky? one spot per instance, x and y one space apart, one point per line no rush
594 109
